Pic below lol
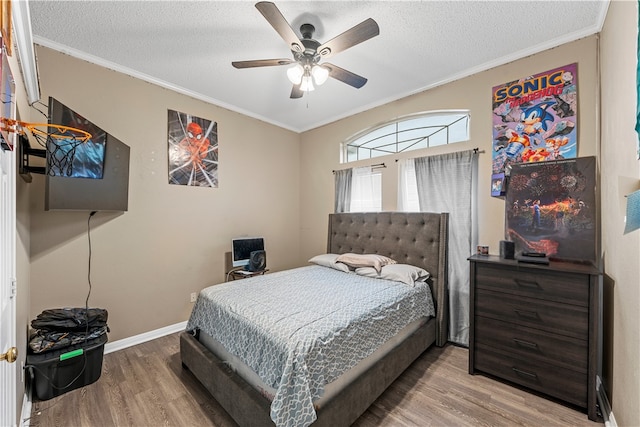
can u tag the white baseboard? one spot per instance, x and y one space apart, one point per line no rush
25 415
147 336
605 406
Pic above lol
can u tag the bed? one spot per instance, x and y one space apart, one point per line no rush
418 239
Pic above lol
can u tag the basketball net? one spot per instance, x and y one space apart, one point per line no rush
59 141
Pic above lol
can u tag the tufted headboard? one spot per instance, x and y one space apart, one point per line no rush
416 238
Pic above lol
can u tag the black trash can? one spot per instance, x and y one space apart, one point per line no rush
59 371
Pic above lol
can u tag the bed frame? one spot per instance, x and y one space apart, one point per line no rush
418 238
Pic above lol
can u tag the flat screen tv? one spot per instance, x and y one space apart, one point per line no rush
99 180
241 248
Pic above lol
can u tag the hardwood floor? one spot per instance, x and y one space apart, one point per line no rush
145 385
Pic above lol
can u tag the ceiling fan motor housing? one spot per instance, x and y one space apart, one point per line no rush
310 54
307 31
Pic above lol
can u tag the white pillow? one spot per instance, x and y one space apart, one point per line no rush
329 260
365 260
404 273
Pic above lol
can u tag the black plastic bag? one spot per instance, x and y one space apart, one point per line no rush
70 319
43 341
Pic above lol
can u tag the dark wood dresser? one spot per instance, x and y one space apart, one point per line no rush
537 326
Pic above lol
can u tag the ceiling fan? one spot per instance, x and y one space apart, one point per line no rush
307 52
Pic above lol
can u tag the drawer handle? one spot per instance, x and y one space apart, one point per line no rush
525 343
525 373
527 314
526 284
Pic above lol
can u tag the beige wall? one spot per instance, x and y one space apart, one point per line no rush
620 175
171 242
320 150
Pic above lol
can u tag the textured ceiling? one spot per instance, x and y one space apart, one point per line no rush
188 46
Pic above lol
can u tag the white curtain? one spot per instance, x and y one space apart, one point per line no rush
366 194
407 187
447 183
343 190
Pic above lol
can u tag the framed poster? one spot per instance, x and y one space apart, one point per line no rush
193 150
498 184
638 94
535 118
6 25
551 208
8 105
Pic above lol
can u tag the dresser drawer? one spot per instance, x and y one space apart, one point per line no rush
537 283
528 344
565 384
563 319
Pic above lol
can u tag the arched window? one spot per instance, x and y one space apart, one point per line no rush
413 132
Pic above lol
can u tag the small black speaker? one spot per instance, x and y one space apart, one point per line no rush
257 261
507 249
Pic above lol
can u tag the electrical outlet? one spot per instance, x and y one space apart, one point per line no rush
194 296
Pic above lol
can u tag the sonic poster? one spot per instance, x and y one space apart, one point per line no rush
534 118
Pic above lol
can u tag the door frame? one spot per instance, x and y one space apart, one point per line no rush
8 371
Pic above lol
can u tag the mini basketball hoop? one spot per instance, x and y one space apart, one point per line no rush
59 141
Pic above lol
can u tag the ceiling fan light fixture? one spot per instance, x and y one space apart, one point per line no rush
307 84
295 73
320 74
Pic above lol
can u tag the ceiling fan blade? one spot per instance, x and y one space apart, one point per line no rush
345 76
273 15
261 63
296 92
356 35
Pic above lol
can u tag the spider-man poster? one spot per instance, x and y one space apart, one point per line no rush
535 118
193 150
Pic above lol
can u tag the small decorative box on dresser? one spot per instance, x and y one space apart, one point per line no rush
537 326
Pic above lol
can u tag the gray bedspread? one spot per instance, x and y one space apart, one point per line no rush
300 329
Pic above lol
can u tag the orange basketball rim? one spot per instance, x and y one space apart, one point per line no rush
53 130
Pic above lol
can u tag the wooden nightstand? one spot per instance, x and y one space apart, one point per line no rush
243 274
537 326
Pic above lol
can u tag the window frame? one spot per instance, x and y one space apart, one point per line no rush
383 149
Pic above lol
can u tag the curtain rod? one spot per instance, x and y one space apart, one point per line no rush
382 165
379 165
475 151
